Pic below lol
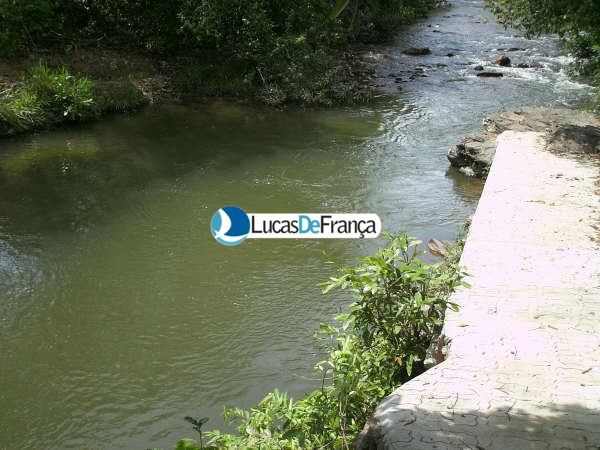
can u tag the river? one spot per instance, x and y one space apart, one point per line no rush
119 312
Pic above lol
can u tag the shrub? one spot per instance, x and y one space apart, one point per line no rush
38 24
379 344
48 96
60 92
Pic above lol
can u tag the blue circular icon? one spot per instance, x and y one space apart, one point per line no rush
230 225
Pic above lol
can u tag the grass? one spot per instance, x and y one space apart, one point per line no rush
49 96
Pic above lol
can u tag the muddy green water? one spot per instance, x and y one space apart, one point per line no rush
119 312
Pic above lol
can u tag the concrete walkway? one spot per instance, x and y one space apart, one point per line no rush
524 365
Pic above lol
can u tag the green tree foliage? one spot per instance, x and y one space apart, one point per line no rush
152 26
379 344
565 17
27 25
576 21
281 50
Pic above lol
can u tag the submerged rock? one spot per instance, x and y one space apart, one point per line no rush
490 74
417 51
439 247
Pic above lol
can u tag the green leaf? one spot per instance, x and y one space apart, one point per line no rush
339 7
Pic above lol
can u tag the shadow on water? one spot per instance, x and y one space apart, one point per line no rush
69 179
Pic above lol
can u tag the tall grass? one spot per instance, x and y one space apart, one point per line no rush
48 96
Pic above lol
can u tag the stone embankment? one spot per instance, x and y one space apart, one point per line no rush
565 131
523 363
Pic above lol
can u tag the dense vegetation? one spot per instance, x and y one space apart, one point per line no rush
278 50
576 21
380 343
50 95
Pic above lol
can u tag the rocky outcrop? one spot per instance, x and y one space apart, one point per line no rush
567 131
473 154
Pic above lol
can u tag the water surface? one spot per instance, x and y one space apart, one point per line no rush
119 312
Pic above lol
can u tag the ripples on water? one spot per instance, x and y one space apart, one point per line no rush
119 313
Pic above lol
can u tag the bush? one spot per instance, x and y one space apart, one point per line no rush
60 93
379 344
39 24
291 51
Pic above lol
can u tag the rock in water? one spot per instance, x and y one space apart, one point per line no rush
438 247
490 74
503 61
417 51
475 151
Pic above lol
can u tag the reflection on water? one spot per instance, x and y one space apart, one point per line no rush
120 314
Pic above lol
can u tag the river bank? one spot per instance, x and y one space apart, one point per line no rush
68 63
565 131
126 81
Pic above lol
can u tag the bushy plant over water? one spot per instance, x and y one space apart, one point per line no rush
379 344
118 96
576 21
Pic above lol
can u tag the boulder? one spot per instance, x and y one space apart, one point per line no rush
478 68
417 51
439 247
475 151
575 139
503 61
